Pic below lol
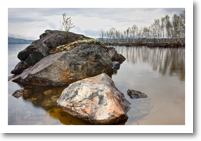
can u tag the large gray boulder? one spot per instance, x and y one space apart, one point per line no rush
44 46
63 68
95 100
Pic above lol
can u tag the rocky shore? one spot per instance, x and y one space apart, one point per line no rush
54 60
80 64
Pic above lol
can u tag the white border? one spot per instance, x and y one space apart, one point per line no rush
187 128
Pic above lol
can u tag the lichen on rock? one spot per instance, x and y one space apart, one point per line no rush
95 100
70 46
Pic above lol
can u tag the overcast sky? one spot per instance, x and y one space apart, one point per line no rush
29 23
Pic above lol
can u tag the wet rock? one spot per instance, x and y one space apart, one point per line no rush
21 92
52 91
48 92
63 68
44 97
115 56
49 101
116 65
121 58
133 94
19 68
95 100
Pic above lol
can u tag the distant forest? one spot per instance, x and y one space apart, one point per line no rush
166 29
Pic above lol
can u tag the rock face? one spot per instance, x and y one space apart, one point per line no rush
115 56
19 68
10 77
95 100
65 67
43 47
133 94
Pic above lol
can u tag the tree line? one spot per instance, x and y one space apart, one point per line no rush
164 30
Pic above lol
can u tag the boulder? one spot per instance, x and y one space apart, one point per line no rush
63 68
95 100
121 58
43 47
133 94
21 92
115 56
19 68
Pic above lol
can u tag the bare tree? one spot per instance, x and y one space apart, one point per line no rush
111 33
182 27
126 32
102 34
168 27
107 35
117 34
162 30
156 29
122 36
176 26
163 26
66 25
133 31
146 33
140 34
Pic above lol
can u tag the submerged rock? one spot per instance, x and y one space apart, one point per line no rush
95 100
21 92
63 68
45 97
116 58
133 94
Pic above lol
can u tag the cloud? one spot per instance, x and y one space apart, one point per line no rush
175 10
31 22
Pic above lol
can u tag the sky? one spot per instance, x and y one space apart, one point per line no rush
30 23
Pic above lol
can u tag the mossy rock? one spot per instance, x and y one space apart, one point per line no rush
70 46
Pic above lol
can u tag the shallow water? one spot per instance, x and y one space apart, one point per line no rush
157 72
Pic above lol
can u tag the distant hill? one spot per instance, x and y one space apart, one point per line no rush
12 40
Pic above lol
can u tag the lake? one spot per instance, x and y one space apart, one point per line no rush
157 72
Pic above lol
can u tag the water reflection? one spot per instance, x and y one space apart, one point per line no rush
163 60
166 94
46 98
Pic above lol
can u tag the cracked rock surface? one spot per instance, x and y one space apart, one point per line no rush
95 100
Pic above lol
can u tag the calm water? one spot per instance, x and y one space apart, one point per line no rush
157 72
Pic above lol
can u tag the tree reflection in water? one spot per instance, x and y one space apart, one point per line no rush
166 61
163 60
